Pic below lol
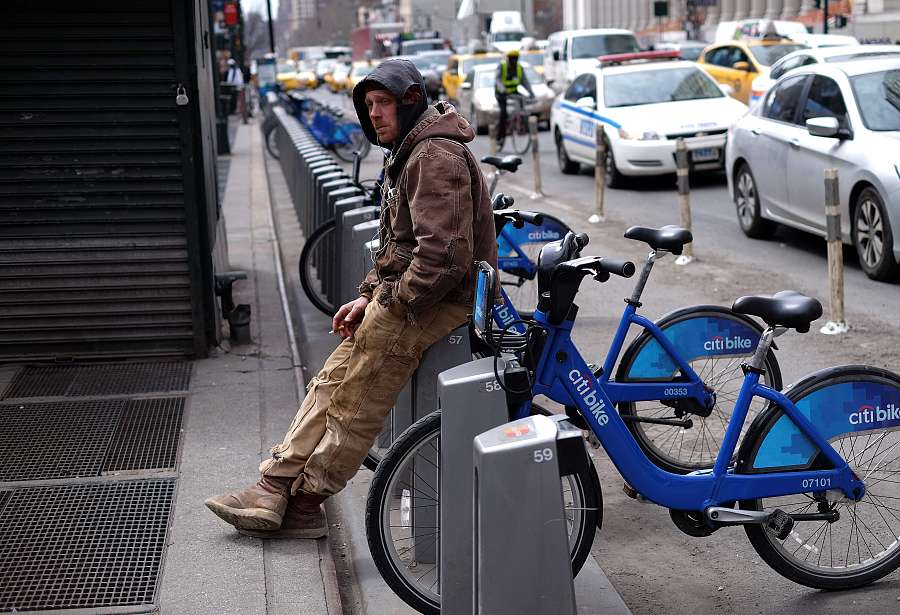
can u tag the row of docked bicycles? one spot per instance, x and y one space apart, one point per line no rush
328 125
692 413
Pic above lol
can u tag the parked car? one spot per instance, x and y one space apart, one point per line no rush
478 102
573 52
845 116
644 102
738 63
458 66
689 50
805 57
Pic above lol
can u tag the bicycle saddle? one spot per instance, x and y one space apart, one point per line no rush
670 238
506 163
787 309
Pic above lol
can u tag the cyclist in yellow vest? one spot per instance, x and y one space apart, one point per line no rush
510 75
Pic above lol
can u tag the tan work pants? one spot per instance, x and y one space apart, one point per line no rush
348 400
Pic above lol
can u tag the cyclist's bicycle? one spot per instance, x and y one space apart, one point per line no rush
516 124
814 481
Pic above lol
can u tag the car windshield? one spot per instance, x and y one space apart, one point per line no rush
478 61
285 68
485 78
595 45
535 58
878 96
767 55
691 53
656 86
359 71
505 37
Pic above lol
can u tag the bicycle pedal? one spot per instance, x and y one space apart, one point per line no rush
780 524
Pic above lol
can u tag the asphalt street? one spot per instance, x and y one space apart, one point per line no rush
656 568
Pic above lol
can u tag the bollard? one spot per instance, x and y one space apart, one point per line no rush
837 324
535 157
684 199
599 175
492 138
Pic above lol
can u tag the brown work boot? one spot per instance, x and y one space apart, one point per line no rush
260 507
304 518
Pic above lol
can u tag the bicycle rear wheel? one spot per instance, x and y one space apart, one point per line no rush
521 140
315 258
862 545
403 515
685 449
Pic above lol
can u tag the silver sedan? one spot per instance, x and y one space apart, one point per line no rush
844 116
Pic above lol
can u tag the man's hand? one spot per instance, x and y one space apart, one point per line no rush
349 316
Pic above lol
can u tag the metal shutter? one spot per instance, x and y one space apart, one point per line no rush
95 166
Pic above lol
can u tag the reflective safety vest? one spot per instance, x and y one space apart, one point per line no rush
510 85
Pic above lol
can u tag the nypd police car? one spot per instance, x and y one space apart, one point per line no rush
644 102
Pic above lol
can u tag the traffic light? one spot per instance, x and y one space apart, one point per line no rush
840 21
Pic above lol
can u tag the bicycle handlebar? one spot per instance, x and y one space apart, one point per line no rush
517 217
598 266
501 201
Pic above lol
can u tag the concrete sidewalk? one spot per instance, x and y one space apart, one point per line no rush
242 399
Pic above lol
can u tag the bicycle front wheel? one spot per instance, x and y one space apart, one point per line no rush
403 515
316 258
521 140
849 408
353 140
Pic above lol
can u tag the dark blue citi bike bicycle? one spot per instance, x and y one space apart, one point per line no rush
815 480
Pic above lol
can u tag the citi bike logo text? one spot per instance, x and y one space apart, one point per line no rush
728 343
504 314
875 414
589 396
543 234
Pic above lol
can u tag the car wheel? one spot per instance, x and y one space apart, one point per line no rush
873 238
614 178
566 166
746 202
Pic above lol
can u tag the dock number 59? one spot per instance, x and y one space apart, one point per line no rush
543 454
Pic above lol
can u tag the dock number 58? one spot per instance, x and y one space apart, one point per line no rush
543 454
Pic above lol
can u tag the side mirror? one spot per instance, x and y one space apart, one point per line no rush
556 55
823 127
585 102
466 85
727 90
744 66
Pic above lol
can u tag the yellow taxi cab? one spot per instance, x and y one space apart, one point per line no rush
459 65
306 75
286 75
534 58
337 78
357 71
737 63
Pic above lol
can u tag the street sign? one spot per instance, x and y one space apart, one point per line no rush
231 14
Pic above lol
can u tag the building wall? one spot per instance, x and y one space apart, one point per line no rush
868 18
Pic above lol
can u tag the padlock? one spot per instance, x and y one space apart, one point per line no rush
181 98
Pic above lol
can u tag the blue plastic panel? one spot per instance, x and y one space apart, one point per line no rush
838 409
694 338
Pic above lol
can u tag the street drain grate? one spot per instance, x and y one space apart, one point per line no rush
83 546
147 435
99 379
71 439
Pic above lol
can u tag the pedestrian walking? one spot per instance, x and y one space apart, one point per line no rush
436 221
234 77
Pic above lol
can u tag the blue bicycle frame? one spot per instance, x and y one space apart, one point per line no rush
563 376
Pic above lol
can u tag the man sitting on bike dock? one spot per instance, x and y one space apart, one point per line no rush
436 222
510 75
